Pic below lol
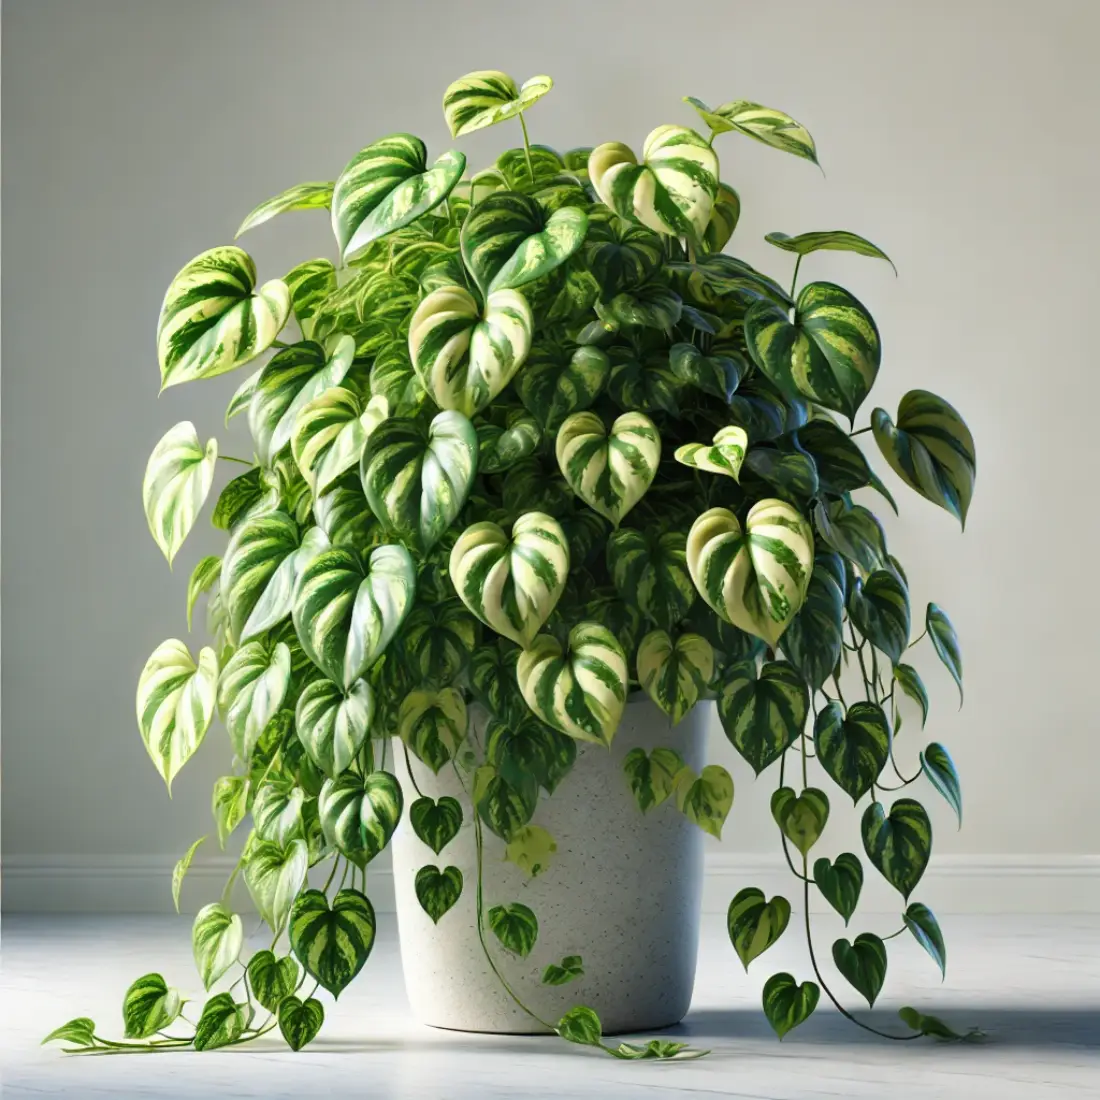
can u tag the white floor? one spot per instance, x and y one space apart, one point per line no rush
1032 983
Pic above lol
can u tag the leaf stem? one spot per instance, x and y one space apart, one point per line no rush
917 638
527 149
794 277
859 431
233 458
408 768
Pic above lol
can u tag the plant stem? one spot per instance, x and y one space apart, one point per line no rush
409 769
232 458
917 638
859 431
901 931
794 277
527 149
783 835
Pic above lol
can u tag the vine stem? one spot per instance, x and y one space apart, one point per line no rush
794 277
917 638
527 148
859 431
233 458
409 769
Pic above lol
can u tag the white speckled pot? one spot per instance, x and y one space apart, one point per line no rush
623 891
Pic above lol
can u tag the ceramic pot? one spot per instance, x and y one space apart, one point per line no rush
623 891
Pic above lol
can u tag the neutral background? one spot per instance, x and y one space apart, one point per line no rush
954 134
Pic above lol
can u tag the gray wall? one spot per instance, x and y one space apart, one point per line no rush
957 135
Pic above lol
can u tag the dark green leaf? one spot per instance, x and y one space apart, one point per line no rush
853 532
504 807
899 844
936 763
863 963
149 1006
921 921
879 607
222 1021
853 748
272 979
332 944
237 498
836 240
840 882
492 675
934 1026
814 639
581 1025
436 823
801 817
436 890
788 1004
299 1021
719 375
762 715
531 749
754 923
516 926
946 643
791 474
652 777
841 467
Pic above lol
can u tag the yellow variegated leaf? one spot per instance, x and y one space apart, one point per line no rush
724 456
675 674
330 433
482 98
303 196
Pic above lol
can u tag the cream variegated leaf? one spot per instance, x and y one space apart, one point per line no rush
433 724
764 124
177 482
333 724
609 471
723 456
213 320
463 355
753 577
303 196
672 191
674 674
251 689
512 584
175 704
274 875
580 690
485 97
310 283
330 433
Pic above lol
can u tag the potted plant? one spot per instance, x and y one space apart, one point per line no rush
540 470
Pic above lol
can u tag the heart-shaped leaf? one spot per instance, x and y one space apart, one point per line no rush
464 355
516 926
801 817
330 433
310 283
930 449
436 822
229 805
836 240
580 690
936 763
212 320
433 724
762 714
764 124
438 638
921 921
644 381
946 643
512 585
899 844
388 185
863 963
529 749
723 456
359 814
303 196
840 465
438 891
581 1025
345 615
332 944
840 882
754 923
854 747
718 375
674 674
277 811
814 639
175 703
609 471
488 96
653 777
853 532
300 1021
272 979
274 875
505 805
570 968
499 449
908 679
705 799
620 253
77 1033
493 681
345 516
333 724
558 379
217 937
790 474
177 482
251 689
671 191
243 497
651 570
829 353
724 216
222 1022
879 607
788 1004
148 1006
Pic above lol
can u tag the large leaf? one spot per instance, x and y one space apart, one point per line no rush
762 714
580 690
332 944
359 815
274 875
899 844
756 577
330 433
651 571
921 921
177 482
609 471
212 321
508 241
465 355
937 765
946 643
801 817
488 96
652 778
175 703
436 823
754 923
417 478
556 381
303 196
788 1004
437 890
675 674
829 353
149 1006
836 240
512 584
516 926
433 724
879 607
387 185
671 192
853 748
723 456
251 689
863 963
705 799
764 124
346 613
930 449
333 724
814 639
217 937
840 882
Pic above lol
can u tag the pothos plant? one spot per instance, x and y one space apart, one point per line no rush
534 440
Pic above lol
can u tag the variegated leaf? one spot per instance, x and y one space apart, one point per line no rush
388 185
310 283
580 690
762 713
433 724
179 872
723 218
229 804
653 777
675 674
274 876
416 479
333 724
671 192
293 378
835 240
650 570
609 471
879 608
217 937
853 531
346 612
852 747
212 320
765 124
177 482
344 515
203 577
705 799
437 640
930 449
556 381
899 843
251 689
465 356
801 817
393 377
718 374
330 433
277 811
755 578
499 449
946 643
303 196
485 97
754 923
813 641
175 703
512 584
829 353
332 944
723 456
359 814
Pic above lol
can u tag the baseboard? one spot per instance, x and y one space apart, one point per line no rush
952 883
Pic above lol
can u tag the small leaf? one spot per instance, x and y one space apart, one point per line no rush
863 963
764 124
300 1021
934 1026
303 196
180 871
651 777
801 817
79 1032
570 968
879 609
229 804
177 481
840 882
705 800
483 98
946 643
217 937
516 926
149 1006
837 240
222 1022
908 679
436 890
921 921
936 763
754 923
530 849
272 979
788 1004
436 822
203 577
581 1025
